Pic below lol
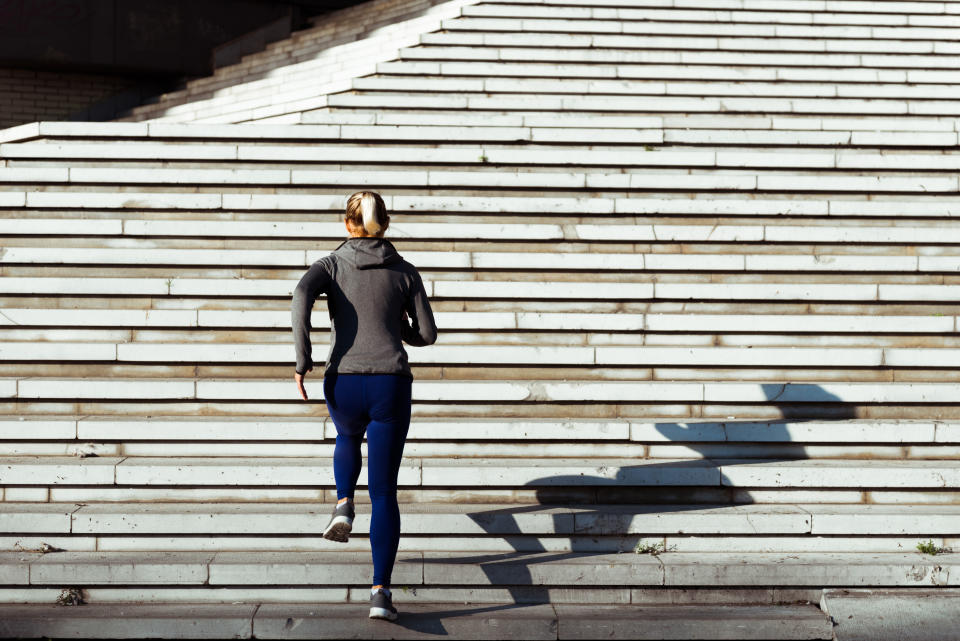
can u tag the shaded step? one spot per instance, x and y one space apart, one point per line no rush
326 49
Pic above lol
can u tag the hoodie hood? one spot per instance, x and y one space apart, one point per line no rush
367 252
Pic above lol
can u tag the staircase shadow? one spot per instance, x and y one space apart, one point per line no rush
513 569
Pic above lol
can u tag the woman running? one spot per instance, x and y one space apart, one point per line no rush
376 301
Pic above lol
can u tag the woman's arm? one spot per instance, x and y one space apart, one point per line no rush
424 330
315 282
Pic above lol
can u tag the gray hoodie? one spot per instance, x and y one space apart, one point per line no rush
368 286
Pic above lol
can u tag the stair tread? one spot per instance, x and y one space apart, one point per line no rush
420 621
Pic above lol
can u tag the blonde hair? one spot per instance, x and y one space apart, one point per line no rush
366 209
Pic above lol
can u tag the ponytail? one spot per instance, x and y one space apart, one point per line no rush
368 208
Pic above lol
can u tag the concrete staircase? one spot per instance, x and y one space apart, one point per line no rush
695 269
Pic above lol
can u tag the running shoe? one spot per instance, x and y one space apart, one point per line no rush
381 606
338 529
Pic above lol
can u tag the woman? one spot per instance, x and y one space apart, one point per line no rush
373 296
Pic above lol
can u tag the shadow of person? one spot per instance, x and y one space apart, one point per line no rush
593 527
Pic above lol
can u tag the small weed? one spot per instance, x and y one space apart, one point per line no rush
70 596
651 548
928 547
650 148
45 548
483 158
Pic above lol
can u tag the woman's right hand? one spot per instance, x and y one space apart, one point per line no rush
299 379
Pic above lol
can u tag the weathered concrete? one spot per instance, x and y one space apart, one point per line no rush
307 568
416 621
81 568
810 569
885 614
701 621
123 621
495 621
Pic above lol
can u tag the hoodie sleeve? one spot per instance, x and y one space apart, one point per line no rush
315 282
424 330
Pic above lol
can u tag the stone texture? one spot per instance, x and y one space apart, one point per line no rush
884 614
693 622
124 621
500 621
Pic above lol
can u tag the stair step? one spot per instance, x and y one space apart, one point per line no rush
641 86
582 207
290 429
625 44
573 261
574 287
463 520
873 324
492 391
661 181
612 47
490 355
508 179
656 12
491 545
417 621
454 569
324 124
892 614
485 472
477 156
562 102
692 22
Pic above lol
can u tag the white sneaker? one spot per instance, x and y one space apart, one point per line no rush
341 523
381 606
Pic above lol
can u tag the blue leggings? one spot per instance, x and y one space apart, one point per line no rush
380 405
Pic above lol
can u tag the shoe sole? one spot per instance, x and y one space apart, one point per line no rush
383 613
338 530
